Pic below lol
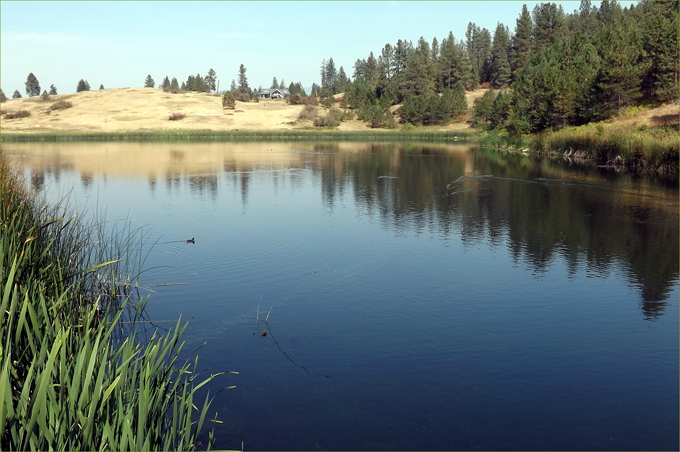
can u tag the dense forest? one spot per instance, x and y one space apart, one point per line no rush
555 70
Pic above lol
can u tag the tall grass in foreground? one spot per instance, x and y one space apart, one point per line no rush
66 383
653 150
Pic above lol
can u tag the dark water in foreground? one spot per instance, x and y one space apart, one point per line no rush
426 297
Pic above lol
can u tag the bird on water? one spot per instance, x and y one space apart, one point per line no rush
192 240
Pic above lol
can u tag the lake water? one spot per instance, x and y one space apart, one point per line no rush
419 297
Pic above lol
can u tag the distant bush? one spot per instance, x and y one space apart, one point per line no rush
295 99
177 116
241 97
18 114
61 105
44 96
309 112
310 100
173 90
326 121
228 100
256 98
328 101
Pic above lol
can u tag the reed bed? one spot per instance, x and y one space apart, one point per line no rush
226 136
66 381
652 150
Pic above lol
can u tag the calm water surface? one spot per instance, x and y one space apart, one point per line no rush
418 296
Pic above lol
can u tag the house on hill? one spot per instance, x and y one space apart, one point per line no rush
274 93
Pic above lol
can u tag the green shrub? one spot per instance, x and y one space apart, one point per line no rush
228 100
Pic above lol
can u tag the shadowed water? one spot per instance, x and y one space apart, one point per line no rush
416 296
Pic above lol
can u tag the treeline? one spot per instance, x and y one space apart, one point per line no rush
554 70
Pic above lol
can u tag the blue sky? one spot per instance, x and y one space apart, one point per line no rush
118 43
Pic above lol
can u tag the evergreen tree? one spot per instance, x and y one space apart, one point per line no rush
184 86
386 62
483 108
275 83
500 67
521 41
331 76
660 28
166 83
478 43
101 86
211 79
618 82
549 25
53 90
243 80
609 12
32 85
342 80
452 65
282 84
174 84
359 70
500 111
587 22
148 82
44 95
3 98
83 85
233 86
371 70
16 95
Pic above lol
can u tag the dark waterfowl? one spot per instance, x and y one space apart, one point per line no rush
192 240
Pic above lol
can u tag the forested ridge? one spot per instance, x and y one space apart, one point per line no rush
556 69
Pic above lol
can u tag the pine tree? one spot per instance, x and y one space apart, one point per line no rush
211 79
3 98
282 84
275 83
16 95
331 76
243 80
83 85
44 95
500 68
233 86
386 61
549 25
174 84
478 43
101 86
618 82
148 82
166 83
521 41
53 90
342 80
32 85
660 30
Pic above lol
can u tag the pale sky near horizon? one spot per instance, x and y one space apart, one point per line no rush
118 43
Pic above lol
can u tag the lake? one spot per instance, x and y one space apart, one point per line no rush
416 296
